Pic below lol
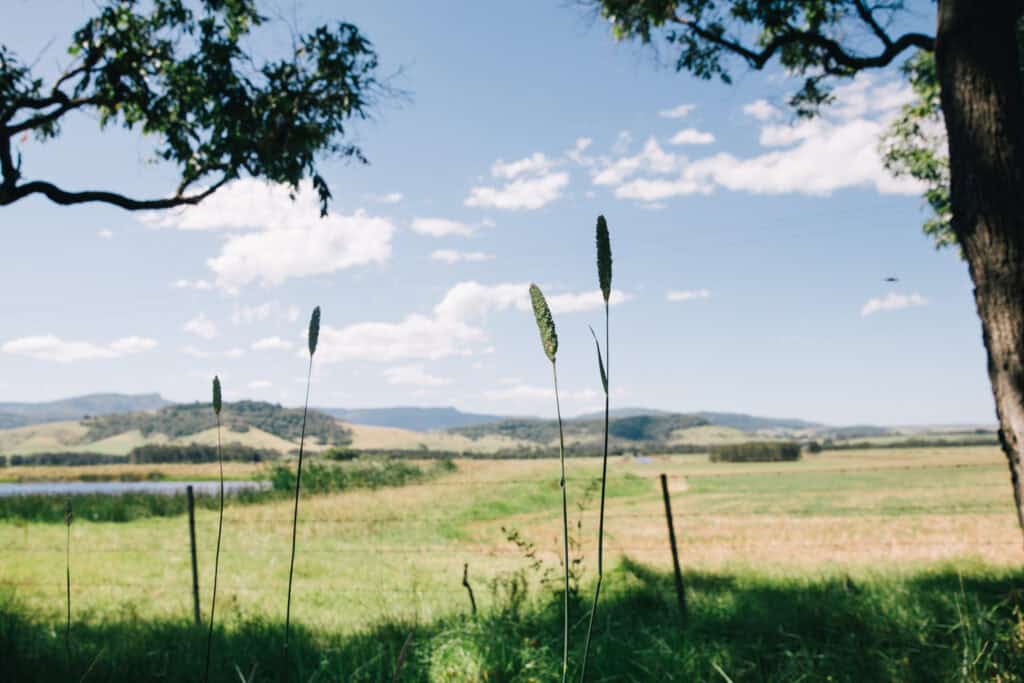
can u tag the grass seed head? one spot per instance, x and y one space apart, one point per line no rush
216 395
604 258
545 323
314 330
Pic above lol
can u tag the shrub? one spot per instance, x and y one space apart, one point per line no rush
756 451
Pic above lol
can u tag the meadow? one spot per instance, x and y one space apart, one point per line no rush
819 559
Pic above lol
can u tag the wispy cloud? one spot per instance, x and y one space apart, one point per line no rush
454 256
443 227
413 375
682 111
687 294
192 284
271 344
692 136
892 302
52 348
201 326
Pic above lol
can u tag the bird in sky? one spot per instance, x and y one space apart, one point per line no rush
892 279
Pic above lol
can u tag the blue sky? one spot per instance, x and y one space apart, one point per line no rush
750 249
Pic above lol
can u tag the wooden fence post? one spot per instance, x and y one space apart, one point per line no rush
680 591
192 539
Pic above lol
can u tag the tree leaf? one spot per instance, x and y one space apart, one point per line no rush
545 323
600 362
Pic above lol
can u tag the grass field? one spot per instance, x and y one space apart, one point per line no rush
888 535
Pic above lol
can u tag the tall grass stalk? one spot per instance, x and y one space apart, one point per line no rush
220 527
314 336
549 340
604 276
69 517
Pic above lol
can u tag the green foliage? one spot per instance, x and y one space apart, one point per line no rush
187 419
653 428
757 451
600 362
317 478
180 72
65 458
545 323
195 452
915 146
932 626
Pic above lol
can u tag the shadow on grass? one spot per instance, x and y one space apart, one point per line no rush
931 626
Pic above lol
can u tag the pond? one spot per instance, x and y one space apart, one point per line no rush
113 488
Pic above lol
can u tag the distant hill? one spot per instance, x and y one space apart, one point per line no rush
624 432
752 423
76 408
413 418
250 423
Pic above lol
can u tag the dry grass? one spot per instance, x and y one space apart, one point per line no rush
368 555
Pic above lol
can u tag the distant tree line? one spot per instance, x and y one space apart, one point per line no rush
151 453
186 419
756 451
988 440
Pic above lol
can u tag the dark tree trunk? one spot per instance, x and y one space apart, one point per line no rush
977 59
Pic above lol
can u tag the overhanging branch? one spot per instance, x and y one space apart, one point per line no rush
65 198
833 51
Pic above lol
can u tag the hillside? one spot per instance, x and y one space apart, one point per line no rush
76 408
417 419
250 423
645 430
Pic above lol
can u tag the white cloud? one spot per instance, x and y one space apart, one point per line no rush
260 384
576 153
389 198
761 110
245 315
413 375
273 238
528 193
687 294
201 353
536 163
651 158
442 227
53 348
106 234
192 284
201 326
451 256
271 343
892 302
453 329
802 157
682 111
518 392
584 301
692 136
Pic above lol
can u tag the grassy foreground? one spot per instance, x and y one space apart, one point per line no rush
932 626
844 565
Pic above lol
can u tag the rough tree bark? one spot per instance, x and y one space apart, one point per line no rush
977 61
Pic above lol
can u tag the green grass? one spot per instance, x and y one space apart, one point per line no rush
128 507
767 549
930 627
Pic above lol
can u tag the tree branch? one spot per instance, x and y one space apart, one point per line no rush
868 18
794 36
45 119
65 198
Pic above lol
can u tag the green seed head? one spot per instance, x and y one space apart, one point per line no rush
216 395
545 323
314 330
604 258
69 515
